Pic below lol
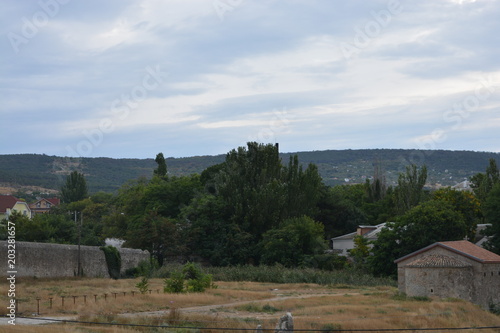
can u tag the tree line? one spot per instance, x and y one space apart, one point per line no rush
254 208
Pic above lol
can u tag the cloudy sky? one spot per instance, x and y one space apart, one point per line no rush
122 78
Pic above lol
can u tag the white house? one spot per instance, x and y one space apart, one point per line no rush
342 244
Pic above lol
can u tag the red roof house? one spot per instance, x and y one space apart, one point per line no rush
457 269
44 205
9 204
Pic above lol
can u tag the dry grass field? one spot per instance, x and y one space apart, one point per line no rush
233 305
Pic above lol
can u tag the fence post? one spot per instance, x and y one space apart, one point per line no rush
38 305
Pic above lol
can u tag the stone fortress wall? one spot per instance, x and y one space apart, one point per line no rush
44 260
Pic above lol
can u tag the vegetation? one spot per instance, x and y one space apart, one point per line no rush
313 306
421 226
492 216
190 279
143 285
253 209
113 260
334 166
75 188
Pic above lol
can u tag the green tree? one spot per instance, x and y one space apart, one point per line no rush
339 209
212 235
157 234
465 203
45 228
250 185
75 188
361 250
301 189
482 183
409 191
290 243
492 215
161 170
31 230
423 225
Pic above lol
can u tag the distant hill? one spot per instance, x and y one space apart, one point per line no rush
335 166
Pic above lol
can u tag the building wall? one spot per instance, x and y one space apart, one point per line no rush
479 284
487 285
23 208
440 281
341 246
58 260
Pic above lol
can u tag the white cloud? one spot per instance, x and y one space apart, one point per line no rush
226 77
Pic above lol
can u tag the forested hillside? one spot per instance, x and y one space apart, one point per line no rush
260 207
335 167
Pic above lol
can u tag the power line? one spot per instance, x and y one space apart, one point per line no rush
263 329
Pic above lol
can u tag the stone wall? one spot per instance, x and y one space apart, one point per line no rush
45 260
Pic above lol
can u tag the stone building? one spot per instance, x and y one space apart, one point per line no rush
457 269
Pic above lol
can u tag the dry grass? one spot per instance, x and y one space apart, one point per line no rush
238 305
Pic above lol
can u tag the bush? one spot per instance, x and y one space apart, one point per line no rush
113 260
143 285
327 262
280 274
144 268
191 279
175 284
192 271
200 284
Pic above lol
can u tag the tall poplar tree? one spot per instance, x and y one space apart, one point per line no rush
75 188
161 170
409 191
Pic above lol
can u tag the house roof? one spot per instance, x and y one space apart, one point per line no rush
346 236
464 248
437 260
53 201
370 234
7 201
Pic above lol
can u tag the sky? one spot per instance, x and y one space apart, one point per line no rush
130 79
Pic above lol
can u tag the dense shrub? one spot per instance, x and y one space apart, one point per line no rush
190 279
113 260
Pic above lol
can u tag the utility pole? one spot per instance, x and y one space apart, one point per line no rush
79 243
79 268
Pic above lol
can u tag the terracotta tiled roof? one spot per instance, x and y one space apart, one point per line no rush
54 201
464 248
7 201
437 260
473 250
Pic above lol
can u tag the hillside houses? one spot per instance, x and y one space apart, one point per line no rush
44 205
10 204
